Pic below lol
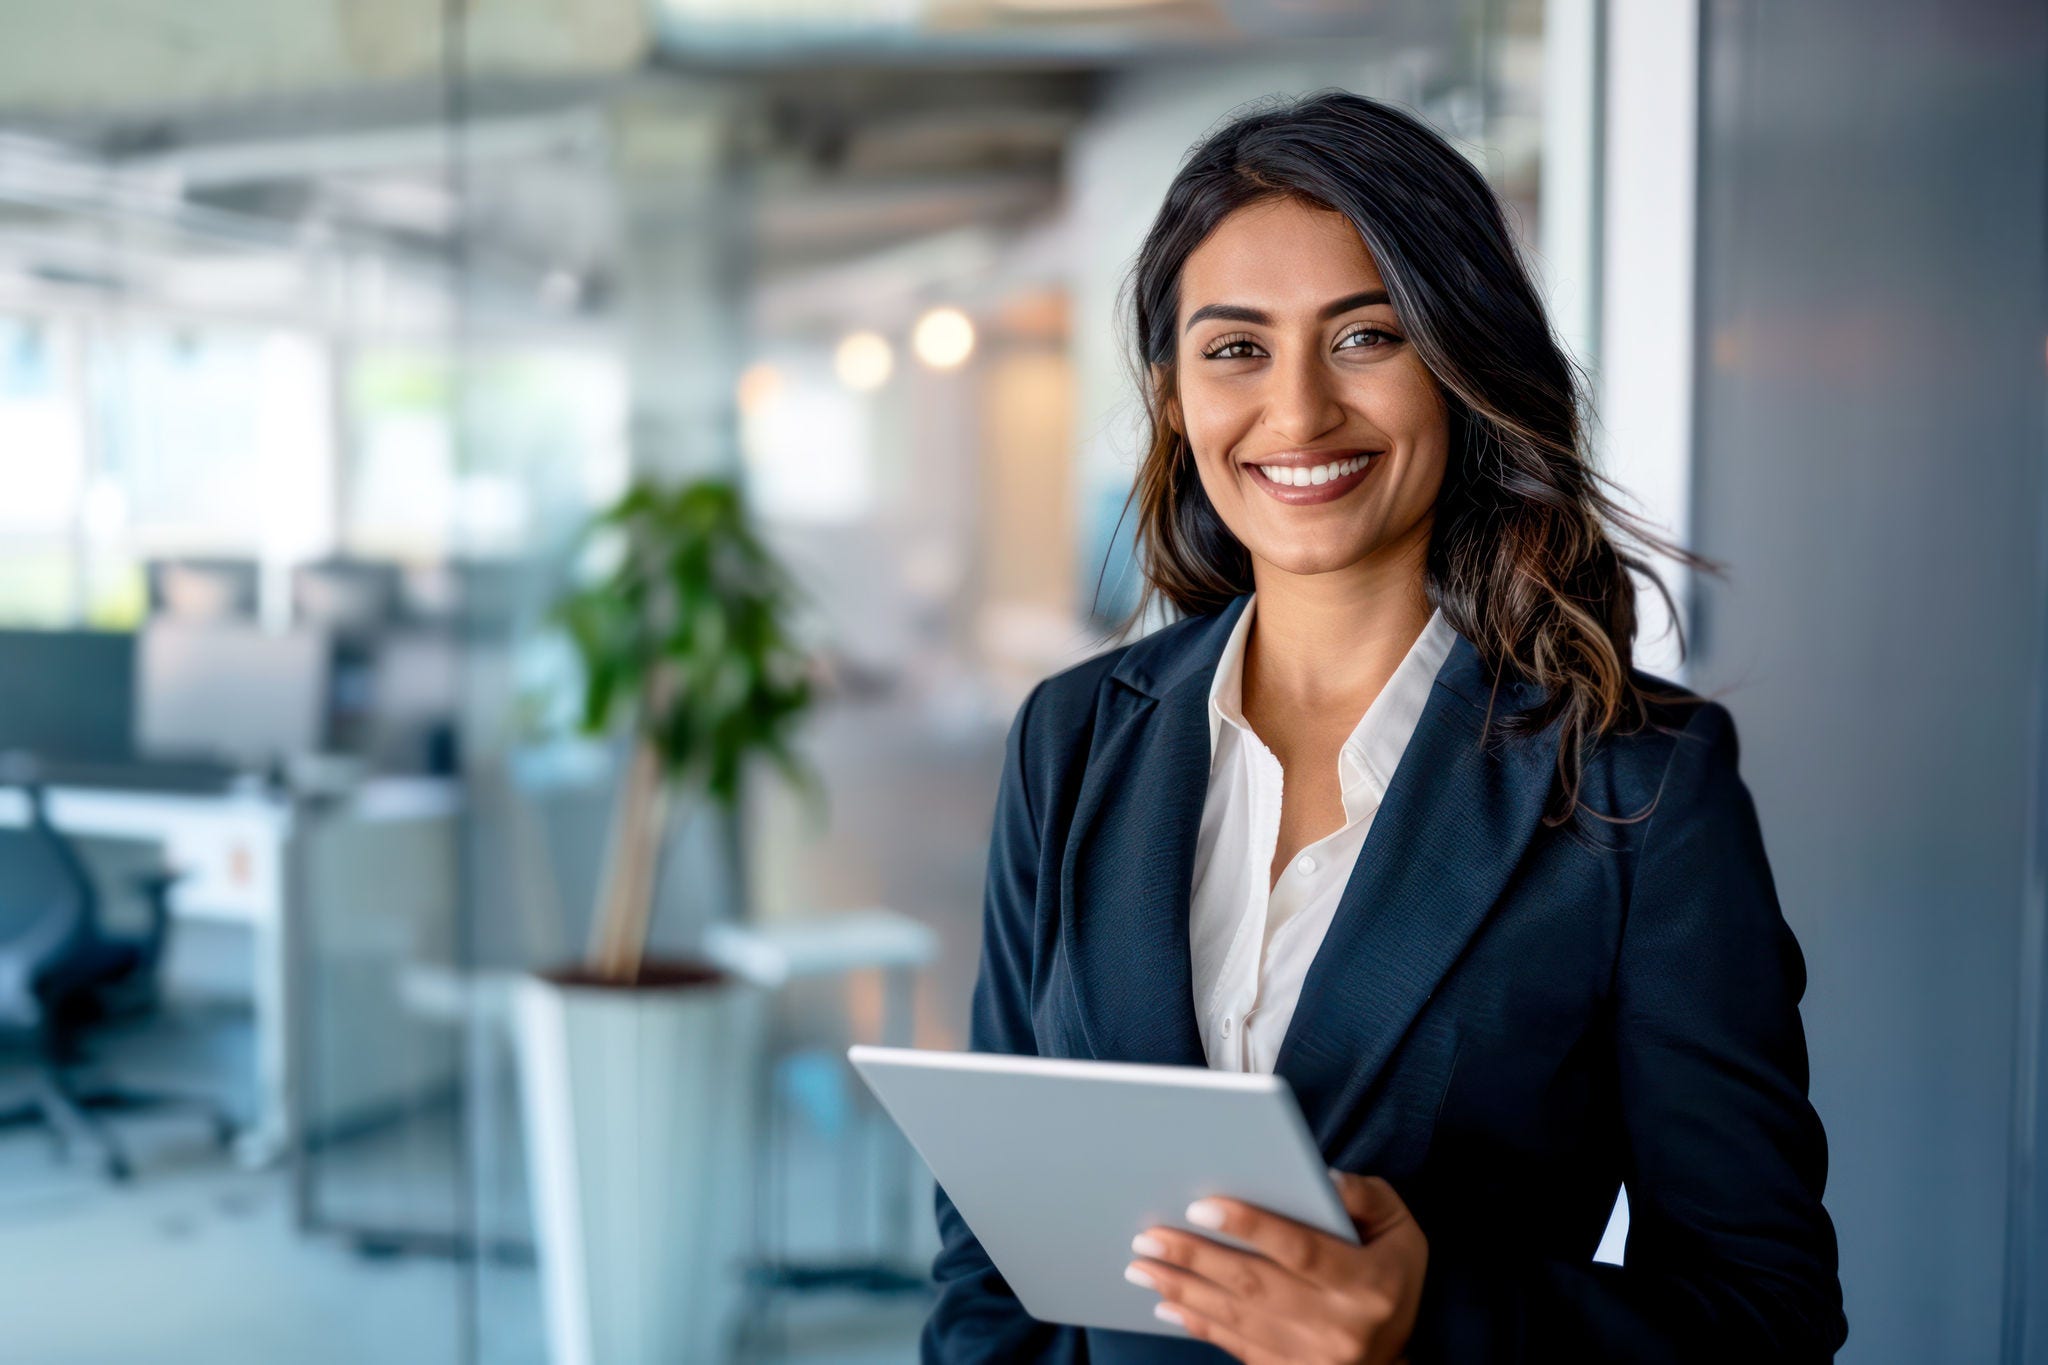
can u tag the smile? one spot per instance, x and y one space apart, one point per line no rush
1313 483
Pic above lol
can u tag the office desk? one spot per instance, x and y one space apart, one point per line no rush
372 871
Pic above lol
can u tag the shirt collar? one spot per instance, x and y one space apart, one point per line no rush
1365 763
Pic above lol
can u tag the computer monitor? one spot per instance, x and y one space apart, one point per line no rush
415 697
68 696
204 589
353 595
230 690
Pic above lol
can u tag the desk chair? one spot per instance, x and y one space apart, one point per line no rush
60 973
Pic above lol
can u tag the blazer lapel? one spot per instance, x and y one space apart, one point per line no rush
1448 835
1126 878
1449 832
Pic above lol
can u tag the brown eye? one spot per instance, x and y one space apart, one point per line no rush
1217 350
1386 339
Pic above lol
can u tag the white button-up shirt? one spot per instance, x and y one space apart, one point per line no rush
1250 948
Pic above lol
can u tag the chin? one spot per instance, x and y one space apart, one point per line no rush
1313 559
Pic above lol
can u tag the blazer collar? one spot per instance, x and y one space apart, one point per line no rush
1188 650
1455 819
1368 754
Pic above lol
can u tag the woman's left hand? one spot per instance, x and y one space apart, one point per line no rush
1304 1297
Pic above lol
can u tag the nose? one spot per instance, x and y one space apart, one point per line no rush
1301 402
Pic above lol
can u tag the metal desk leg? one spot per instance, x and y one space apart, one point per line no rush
899 1029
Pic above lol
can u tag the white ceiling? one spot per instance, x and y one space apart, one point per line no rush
140 136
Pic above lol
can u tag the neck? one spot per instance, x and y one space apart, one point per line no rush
1331 638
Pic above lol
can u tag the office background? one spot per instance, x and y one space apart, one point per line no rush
325 326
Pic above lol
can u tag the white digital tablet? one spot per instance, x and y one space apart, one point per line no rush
1056 1164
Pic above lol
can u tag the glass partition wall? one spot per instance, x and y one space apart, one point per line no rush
867 273
321 343
229 629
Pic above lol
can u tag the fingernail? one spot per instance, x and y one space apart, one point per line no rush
1139 1278
1166 1312
1204 1213
1145 1244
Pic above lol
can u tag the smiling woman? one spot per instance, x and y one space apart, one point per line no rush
1295 307
1377 816
1300 402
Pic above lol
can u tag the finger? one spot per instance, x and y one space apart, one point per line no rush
1204 1328
1371 1202
1247 1274
1257 1316
1308 1253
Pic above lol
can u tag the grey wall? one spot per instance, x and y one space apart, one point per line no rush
1870 465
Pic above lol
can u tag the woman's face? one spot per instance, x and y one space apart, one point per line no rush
1289 358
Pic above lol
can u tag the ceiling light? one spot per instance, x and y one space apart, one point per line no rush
1078 6
863 361
943 338
759 385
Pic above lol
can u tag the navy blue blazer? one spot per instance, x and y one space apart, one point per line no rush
1506 1021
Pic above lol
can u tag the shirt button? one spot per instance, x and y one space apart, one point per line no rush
1305 865
1226 1026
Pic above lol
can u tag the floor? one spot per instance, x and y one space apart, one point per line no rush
200 1260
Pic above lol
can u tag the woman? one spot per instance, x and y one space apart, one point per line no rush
1557 963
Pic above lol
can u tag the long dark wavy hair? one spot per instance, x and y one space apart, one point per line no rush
1528 555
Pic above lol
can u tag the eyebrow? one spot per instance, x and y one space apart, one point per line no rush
1237 312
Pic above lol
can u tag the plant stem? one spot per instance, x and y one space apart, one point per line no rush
619 937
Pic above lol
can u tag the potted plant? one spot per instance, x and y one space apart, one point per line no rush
637 1070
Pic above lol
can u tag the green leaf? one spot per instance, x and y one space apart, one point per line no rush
691 591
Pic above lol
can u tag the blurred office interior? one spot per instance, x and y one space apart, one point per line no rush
325 327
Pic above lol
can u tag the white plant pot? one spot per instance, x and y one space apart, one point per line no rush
639 1110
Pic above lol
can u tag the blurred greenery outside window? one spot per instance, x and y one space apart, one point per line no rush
42 446
543 440
153 438
213 440
401 452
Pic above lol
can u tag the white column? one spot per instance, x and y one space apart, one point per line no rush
1645 388
1569 223
685 219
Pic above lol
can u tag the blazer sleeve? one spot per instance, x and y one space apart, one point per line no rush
977 1317
1730 1254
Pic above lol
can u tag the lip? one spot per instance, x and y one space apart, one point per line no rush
1315 492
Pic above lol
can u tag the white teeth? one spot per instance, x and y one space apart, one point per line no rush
1322 473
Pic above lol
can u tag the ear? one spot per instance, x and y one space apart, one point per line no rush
1169 402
